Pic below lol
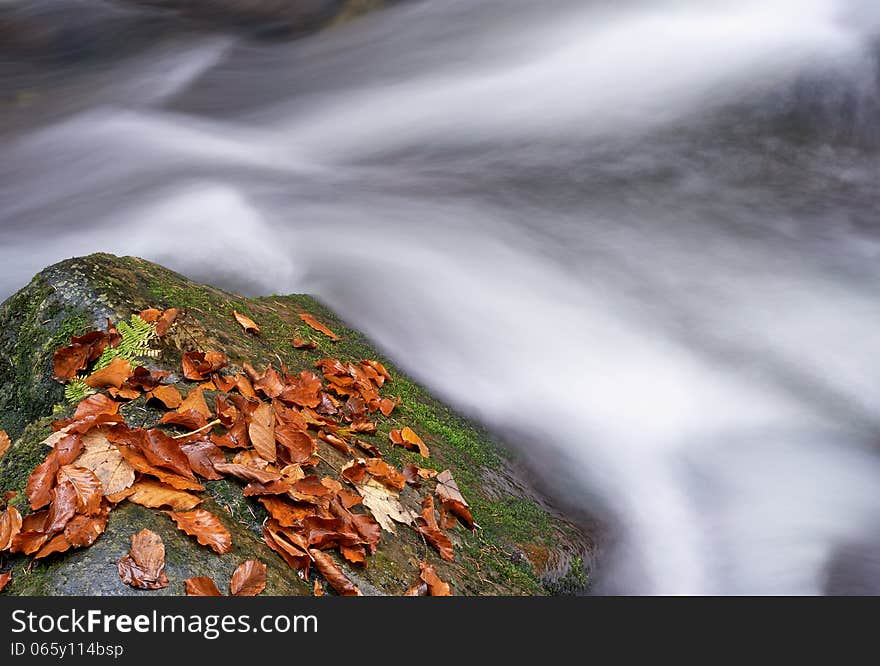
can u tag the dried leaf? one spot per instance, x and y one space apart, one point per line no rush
206 528
301 343
41 481
387 405
247 323
88 488
95 404
68 361
146 379
261 430
384 505
426 523
201 586
83 531
408 439
144 566
150 315
10 526
167 395
246 473
57 544
310 320
436 587
166 321
195 401
115 374
202 457
317 590
249 579
5 579
155 494
298 444
285 512
333 574
4 442
198 365
452 499
68 449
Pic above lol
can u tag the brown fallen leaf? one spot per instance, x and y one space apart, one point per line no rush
106 462
115 374
150 315
166 321
10 526
62 508
384 505
301 343
333 574
94 405
247 473
198 365
68 361
387 405
206 528
248 324
249 579
57 544
408 439
317 589
155 495
68 449
5 578
426 523
261 430
201 586
144 566
286 512
311 321
87 486
83 531
195 401
41 481
452 499
436 587
4 442
202 456
167 395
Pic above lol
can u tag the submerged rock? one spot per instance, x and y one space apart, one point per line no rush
523 547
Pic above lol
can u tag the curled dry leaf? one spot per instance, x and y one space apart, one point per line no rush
286 512
249 579
5 578
115 374
292 548
202 457
247 323
68 361
87 486
436 587
195 401
408 439
62 507
104 459
317 589
302 343
155 495
4 442
452 499
311 321
333 574
206 528
10 526
166 321
247 473
150 315
94 405
201 586
197 365
41 481
57 544
384 505
426 523
144 566
167 395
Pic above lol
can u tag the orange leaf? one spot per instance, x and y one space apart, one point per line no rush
318 326
94 405
144 566
333 574
150 315
206 528
426 523
115 374
198 365
202 457
247 323
166 321
287 513
167 395
4 580
88 488
436 587
41 481
10 526
201 586
4 442
301 343
155 494
195 401
261 430
408 439
83 531
452 499
249 579
317 590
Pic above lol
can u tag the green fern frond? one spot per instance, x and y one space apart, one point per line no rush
77 390
136 338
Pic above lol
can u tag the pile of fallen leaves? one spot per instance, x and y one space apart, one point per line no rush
265 429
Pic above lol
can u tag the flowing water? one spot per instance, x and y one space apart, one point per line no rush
639 240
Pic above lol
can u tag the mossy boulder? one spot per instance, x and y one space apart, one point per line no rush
523 546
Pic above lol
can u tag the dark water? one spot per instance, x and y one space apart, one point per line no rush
638 239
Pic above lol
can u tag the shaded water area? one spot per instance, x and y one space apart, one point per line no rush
638 240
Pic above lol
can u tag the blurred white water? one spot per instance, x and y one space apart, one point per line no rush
620 234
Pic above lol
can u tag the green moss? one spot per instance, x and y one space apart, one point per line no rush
228 495
21 459
576 581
